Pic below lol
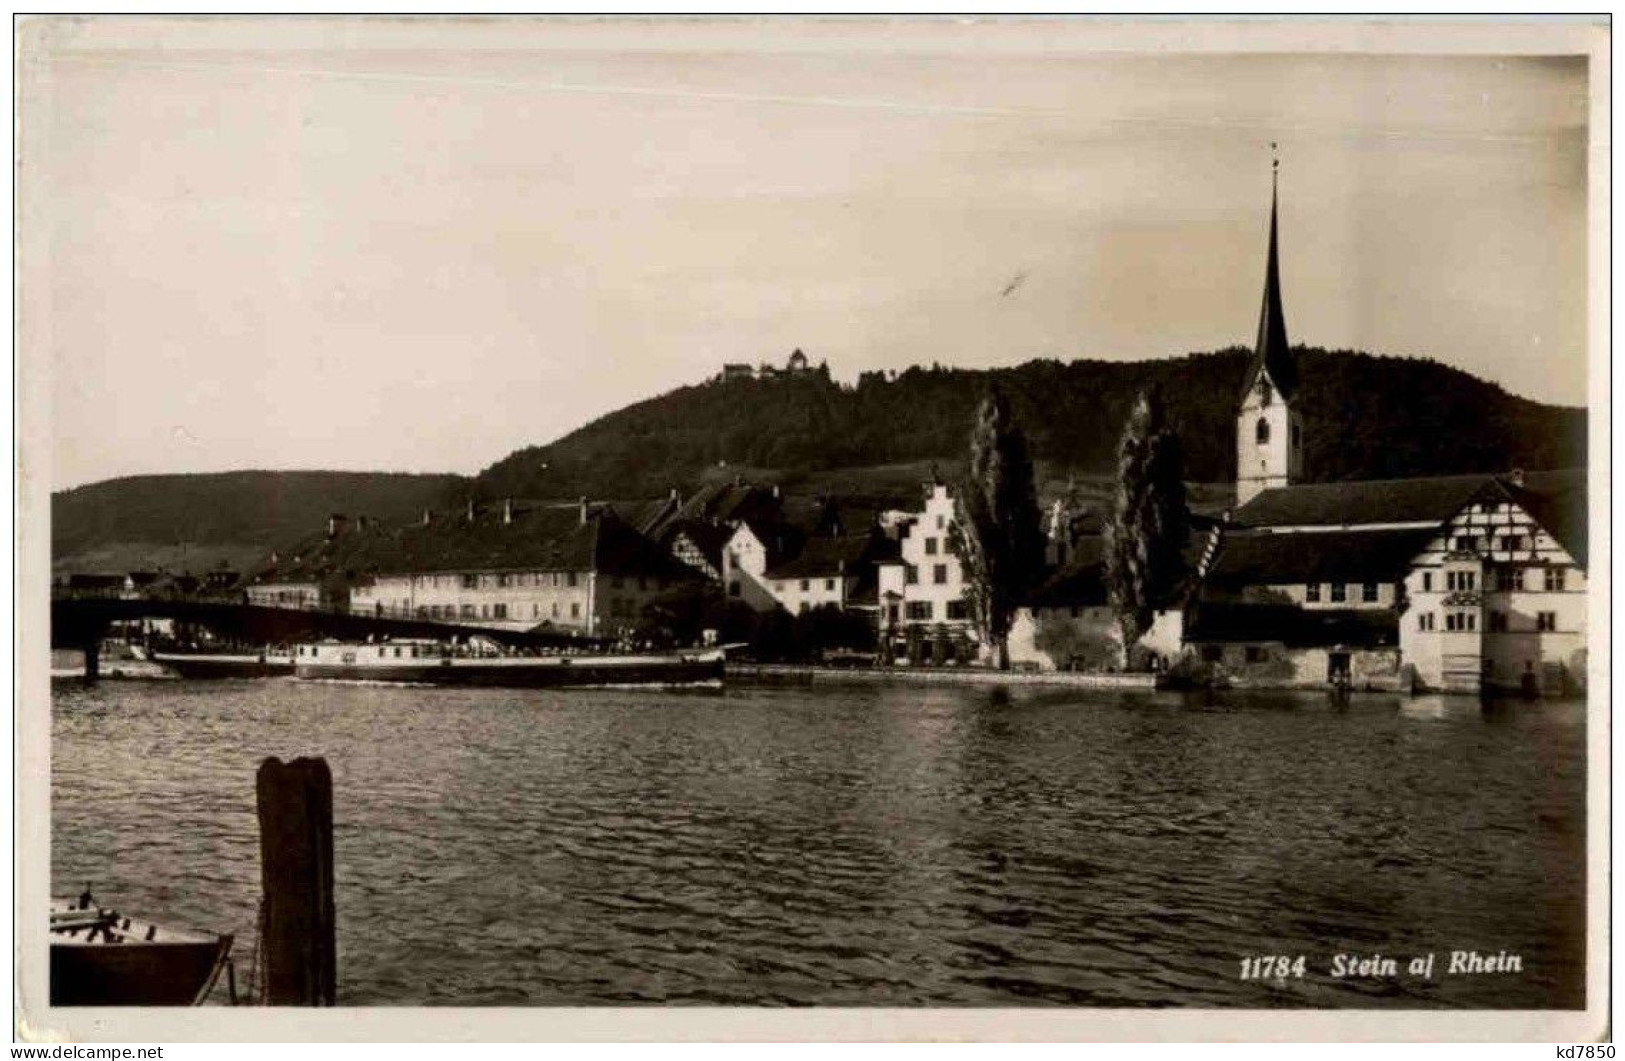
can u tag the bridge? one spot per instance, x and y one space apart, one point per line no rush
82 621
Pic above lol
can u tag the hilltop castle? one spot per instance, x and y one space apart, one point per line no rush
797 365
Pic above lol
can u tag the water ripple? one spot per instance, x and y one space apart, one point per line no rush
855 846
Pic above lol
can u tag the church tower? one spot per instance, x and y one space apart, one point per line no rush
1269 428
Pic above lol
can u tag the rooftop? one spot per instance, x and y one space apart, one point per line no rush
1259 557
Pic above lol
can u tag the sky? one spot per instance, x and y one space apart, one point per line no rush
370 246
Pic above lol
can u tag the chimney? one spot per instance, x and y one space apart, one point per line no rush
583 504
427 517
1516 476
507 510
471 510
335 525
675 499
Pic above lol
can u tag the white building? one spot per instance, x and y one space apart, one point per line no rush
922 594
574 568
1454 583
827 572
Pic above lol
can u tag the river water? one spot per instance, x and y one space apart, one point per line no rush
849 846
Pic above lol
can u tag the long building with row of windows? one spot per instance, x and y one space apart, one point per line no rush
575 568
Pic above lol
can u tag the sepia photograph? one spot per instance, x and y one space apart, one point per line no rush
811 528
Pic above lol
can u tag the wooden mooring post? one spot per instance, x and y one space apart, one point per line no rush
297 934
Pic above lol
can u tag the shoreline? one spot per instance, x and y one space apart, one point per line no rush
812 674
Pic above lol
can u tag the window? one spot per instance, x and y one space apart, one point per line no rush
1554 579
911 575
1460 581
1213 653
1424 621
1256 654
941 522
806 584
570 579
829 585
1265 395
468 611
1339 593
1263 432
778 585
1427 582
555 611
471 581
1513 543
1546 622
575 609
1311 593
502 581
930 547
499 611
734 589
1512 578
919 610
1466 543
957 610
804 607
1368 593
1498 622
535 611
939 574
1461 622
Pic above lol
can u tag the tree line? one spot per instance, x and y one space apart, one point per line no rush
1365 417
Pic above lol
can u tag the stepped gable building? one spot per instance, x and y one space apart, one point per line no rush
923 611
1455 583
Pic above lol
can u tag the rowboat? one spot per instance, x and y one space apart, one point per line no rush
422 662
100 957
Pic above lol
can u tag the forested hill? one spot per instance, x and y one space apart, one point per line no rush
1365 417
194 521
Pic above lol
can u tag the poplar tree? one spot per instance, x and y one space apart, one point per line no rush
996 533
1150 523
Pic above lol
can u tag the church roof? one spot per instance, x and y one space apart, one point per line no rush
1433 499
1271 352
1262 558
1555 499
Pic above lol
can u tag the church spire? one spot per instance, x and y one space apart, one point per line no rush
1272 352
